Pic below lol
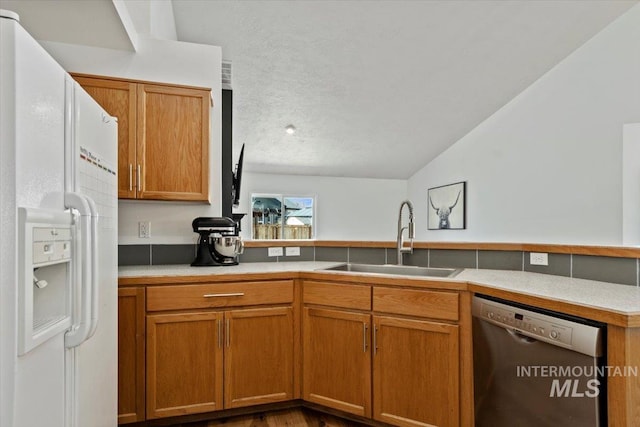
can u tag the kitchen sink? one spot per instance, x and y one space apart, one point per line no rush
399 270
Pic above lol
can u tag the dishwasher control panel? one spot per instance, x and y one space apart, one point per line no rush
570 332
526 322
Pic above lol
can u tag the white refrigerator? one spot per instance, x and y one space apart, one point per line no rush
58 243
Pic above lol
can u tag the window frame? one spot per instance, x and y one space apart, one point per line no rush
281 197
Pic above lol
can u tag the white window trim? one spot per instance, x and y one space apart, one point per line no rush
281 197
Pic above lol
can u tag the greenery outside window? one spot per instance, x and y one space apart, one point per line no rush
278 216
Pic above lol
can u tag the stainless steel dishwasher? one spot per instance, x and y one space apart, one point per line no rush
534 367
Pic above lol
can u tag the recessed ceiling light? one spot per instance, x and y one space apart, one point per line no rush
290 129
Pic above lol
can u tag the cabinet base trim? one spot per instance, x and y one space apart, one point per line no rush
346 407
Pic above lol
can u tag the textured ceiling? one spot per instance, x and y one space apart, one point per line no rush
374 88
379 88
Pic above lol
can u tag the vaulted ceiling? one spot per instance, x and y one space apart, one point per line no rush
374 88
379 88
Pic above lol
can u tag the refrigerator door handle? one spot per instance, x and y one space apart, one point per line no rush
79 331
94 267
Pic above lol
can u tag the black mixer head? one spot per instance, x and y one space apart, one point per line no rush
219 223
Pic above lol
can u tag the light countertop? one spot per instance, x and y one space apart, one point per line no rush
616 298
246 268
613 297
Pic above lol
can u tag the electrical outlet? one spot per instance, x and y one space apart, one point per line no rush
144 229
275 252
292 250
536 258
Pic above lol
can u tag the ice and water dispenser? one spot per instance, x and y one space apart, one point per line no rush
44 288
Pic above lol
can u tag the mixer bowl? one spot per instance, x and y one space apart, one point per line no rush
228 246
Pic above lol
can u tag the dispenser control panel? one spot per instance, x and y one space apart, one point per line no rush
51 244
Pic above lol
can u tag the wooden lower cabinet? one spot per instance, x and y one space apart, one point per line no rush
258 356
131 342
337 360
207 361
184 364
415 372
389 354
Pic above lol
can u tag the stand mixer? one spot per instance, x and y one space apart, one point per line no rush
219 243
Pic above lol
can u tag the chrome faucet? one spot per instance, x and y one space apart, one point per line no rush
409 227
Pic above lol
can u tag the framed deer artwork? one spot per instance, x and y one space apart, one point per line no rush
446 207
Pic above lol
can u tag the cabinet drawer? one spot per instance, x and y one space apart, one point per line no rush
337 295
413 302
181 297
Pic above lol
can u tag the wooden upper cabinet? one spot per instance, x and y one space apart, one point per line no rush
173 143
163 137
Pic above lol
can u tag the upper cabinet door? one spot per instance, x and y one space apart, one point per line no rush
173 143
118 98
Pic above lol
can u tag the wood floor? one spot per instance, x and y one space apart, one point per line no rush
285 418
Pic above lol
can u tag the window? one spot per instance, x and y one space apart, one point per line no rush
276 216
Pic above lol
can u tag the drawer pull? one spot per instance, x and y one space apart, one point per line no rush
234 294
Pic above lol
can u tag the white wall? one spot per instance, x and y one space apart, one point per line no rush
631 185
346 208
168 62
547 166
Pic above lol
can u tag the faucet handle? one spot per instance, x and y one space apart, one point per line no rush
408 250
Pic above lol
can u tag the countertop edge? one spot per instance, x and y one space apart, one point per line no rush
600 314
561 303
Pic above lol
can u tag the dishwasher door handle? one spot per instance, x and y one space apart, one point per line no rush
521 337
